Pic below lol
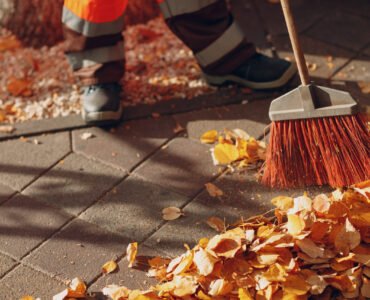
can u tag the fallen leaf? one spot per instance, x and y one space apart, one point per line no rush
204 261
171 213
244 294
364 86
184 286
131 253
296 285
27 298
86 135
321 203
310 248
109 267
348 238
225 154
6 129
216 223
116 292
213 190
9 43
220 287
295 224
282 202
19 87
209 137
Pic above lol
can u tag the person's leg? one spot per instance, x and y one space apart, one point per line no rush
220 46
94 48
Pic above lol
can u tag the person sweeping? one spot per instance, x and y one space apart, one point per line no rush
95 50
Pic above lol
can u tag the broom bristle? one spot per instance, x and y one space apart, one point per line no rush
332 150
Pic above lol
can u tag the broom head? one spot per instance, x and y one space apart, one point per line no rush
318 136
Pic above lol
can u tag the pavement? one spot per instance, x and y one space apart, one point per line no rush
68 205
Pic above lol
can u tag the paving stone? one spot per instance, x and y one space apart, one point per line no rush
316 52
128 145
25 223
5 193
74 184
24 281
6 263
251 117
342 29
305 14
184 166
22 161
359 7
243 197
133 209
357 70
133 278
80 249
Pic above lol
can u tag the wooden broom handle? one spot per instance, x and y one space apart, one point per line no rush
298 53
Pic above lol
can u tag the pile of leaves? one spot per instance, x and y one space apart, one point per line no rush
317 248
235 148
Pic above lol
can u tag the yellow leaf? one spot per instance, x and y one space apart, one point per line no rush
184 286
27 298
131 253
282 202
213 190
275 272
295 224
296 285
77 285
216 223
171 213
109 267
184 263
204 261
365 288
244 294
225 245
116 292
202 296
209 137
158 262
220 287
348 238
225 154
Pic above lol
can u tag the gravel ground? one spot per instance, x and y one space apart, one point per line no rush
38 83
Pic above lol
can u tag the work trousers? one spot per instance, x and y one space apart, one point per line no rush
95 44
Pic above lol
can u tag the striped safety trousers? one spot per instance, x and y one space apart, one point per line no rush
94 41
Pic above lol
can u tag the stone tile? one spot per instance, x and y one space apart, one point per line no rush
74 184
184 166
5 193
45 126
360 7
357 70
21 162
6 263
24 281
134 209
133 278
251 117
25 223
128 145
243 197
80 249
305 14
342 29
316 52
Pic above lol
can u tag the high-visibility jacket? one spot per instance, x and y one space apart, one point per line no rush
95 45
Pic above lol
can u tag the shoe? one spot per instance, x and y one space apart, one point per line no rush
102 104
259 72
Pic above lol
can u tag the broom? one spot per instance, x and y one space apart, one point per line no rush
318 135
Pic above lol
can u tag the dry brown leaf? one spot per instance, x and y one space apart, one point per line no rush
77 289
184 286
226 244
295 284
213 190
365 288
209 137
364 86
19 87
116 292
321 203
216 223
295 224
283 203
310 248
109 267
6 129
204 261
348 238
131 253
171 213
220 287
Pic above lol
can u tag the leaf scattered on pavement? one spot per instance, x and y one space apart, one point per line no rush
109 267
6 129
171 213
131 253
213 190
86 135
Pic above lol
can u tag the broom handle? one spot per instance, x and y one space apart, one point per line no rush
298 53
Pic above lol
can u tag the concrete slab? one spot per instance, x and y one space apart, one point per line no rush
23 281
5 193
357 70
184 166
133 209
22 161
80 249
6 263
342 29
133 278
128 144
25 223
74 184
251 117
324 59
243 197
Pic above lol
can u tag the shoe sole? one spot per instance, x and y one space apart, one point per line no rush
102 117
283 80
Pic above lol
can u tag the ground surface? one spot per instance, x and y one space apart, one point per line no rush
68 205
